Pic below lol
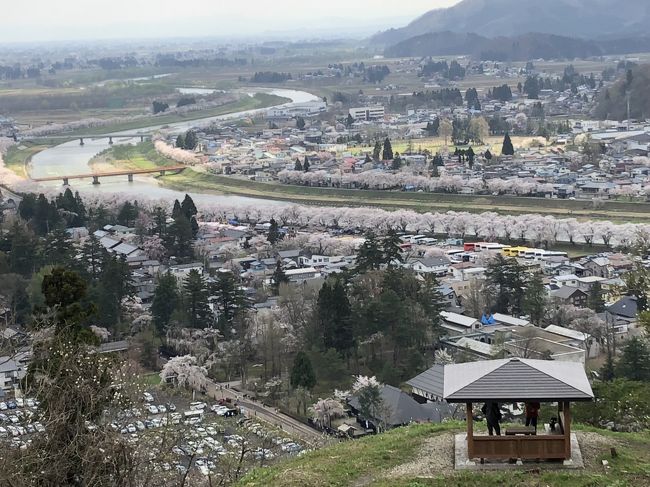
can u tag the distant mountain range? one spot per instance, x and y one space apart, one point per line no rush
588 19
516 48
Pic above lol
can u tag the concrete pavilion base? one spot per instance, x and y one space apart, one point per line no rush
463 463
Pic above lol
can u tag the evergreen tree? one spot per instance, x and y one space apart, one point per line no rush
45 217
349 121
634 363
91 258
127 214
396 165
507 149
180 141
388 150
195 299
278 277
306 165
177 210
166 300
376 152
488 155
274 232
58 249
297 166
179 238
230 300
188 207
391 248
114 285
300 123
535 299
191 141
27 207
595 298
334 313
302 372
369 255
23 250
506 277
65 291
160 222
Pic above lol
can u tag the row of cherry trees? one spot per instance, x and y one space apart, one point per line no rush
488 226
376 179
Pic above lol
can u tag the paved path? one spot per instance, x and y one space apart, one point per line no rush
270 415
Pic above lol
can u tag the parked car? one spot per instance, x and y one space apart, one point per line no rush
3 406
152 409
147 397
11 405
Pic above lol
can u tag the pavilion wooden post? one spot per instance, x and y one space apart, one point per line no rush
470 431
567 430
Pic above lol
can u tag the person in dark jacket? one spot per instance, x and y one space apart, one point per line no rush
532 413
492 412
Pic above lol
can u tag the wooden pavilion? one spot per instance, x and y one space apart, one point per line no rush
510 381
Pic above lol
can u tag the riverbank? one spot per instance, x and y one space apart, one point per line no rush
18 157
246 103
190 180
139 156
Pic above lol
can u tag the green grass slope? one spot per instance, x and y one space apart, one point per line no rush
396 459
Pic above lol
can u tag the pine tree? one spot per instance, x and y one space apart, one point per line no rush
297 166
230 300
300 123
388 150
391 248
595 298
369 255
115 284
534 303
92 253
334 313
349 121
195 299
127 214
396 165
160 222
166 300
274 232
188 207
191 141
488 155
180 141
302 372
634 363
306 165
278 277
58 249
507 149
376 152
179 238
176 211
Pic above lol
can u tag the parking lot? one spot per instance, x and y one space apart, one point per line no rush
176 434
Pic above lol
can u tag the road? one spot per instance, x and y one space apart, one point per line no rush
264 413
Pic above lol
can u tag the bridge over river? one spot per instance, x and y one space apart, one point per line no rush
122 172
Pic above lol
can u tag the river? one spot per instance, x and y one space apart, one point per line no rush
73 158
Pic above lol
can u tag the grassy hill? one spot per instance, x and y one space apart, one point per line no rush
422 455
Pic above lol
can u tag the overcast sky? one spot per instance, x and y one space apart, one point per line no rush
38 20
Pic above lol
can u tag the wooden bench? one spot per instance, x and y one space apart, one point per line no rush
521 430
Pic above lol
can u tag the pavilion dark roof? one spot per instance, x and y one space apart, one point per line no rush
512 379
